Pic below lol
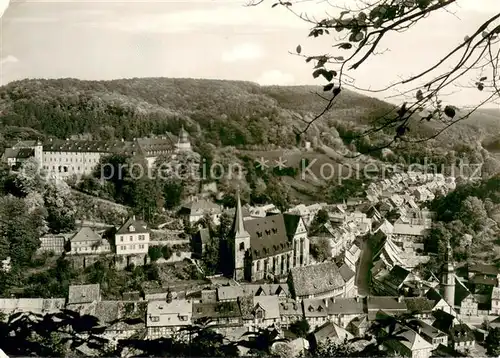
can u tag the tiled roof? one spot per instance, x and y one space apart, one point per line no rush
139 227
386 303
346 272
155 146
216 310
270 304
79 294
314 307
175 313
92 146
268 236
426 330
461 292
345 306
419 304
444 321
434 295
331 331
414 342
233 292
290 308
484 269
316 279
25 144
397 276
85 234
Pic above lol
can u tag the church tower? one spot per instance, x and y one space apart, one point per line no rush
183 144
241 241
448 279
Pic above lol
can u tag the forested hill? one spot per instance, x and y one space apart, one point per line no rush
220 112
225 112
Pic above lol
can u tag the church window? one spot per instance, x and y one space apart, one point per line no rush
258 265
242 246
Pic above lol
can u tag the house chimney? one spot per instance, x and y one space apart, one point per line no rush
325 301
400 299
133 217
357 298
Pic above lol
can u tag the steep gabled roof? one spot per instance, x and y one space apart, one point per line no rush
268 236
291 223
140 227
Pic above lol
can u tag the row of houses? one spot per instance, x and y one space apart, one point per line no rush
130 240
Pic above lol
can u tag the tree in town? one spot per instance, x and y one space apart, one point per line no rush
473 213
492 342
319 220
155 253
358 34
172 192
167 252
60 206
225 225
19 229
321 249
300 328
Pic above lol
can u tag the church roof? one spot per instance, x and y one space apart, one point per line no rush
268 236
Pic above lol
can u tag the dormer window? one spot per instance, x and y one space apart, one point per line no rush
131 228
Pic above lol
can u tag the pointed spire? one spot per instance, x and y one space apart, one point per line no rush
239 228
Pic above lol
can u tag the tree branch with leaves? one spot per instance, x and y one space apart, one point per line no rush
357 34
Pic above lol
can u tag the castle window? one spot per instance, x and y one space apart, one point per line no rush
242 246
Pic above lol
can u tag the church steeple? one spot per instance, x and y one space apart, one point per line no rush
448 278
240 242
239 228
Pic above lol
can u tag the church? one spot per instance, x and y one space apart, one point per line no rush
268 247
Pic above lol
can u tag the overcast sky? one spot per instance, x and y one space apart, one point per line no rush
205 39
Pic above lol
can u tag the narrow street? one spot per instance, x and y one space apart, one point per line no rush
363 269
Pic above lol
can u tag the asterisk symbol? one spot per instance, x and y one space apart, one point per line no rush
280 163
262 163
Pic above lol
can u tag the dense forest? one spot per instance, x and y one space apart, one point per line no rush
220 112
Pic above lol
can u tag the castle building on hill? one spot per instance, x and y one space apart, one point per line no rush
69 158
267 247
